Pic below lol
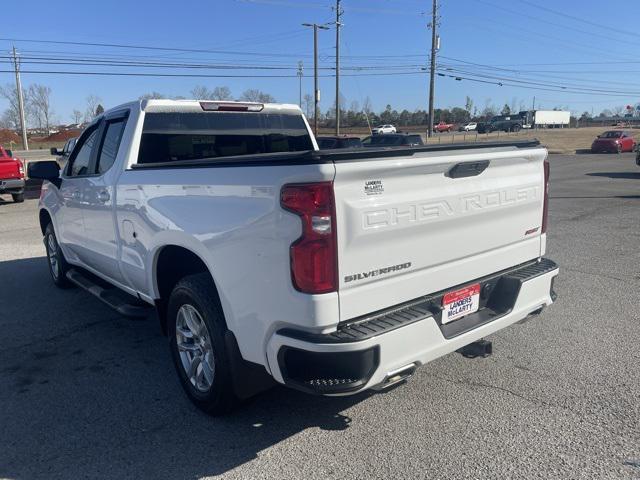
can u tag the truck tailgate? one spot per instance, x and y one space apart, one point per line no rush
415 224
9 168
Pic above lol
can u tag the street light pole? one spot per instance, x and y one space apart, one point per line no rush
432 72
338 25
300 84
316 90
23 125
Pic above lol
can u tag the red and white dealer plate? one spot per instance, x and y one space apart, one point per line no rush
461 302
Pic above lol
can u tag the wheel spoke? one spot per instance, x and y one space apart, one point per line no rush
188 347
184 332
207 369
192 322
193 368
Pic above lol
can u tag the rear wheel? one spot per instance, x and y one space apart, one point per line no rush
58 266
18 197
196 330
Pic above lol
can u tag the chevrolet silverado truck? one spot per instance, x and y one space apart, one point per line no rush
269 260
11 175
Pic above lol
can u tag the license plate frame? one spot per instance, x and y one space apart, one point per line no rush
459 303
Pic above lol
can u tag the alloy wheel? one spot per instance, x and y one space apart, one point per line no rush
194 346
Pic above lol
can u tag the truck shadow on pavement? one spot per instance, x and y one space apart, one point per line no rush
87 393
624 175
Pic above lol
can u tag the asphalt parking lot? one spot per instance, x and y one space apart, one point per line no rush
85 393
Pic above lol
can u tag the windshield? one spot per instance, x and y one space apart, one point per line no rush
170 137
611 135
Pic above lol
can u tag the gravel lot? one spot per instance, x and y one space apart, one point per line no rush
85 393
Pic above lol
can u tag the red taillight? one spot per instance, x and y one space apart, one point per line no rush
314 262
545 206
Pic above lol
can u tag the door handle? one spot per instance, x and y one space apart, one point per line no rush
103 196
71 195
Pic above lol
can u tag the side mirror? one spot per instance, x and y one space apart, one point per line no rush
46 170
55 152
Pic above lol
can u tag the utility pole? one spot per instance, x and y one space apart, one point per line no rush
432 71
316 90
23 126
300 86
534 103
338 25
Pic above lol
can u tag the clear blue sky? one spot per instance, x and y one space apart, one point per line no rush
384 36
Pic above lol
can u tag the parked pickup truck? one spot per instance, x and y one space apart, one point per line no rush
266 259
11 175
443 127
504 123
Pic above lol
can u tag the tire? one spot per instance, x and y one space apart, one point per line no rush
196 328
58 266
17 197
515 128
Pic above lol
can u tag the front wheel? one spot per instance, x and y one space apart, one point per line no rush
58 266
17 197
196 330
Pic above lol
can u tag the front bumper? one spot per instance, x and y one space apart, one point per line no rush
12 185
371 351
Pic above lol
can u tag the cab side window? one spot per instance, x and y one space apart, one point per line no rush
110 144
79 162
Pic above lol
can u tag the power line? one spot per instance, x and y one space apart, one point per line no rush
581 20
147 47
202 75
541 20
545 83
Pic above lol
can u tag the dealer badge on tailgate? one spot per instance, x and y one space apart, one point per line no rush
461 302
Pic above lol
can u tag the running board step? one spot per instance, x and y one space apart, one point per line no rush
121 302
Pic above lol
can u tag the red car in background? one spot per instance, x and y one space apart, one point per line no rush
616 141
11 175
443 127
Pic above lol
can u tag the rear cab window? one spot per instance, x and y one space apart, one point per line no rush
183 136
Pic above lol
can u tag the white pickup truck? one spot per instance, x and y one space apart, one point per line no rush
330 272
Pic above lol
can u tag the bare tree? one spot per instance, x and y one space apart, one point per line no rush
12 114
222 93
255 95
513 106
468 104
618 110
308 105
39 105
92 103
150 95
77 116
7 120
200 92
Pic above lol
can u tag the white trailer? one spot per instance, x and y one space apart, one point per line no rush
551 118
